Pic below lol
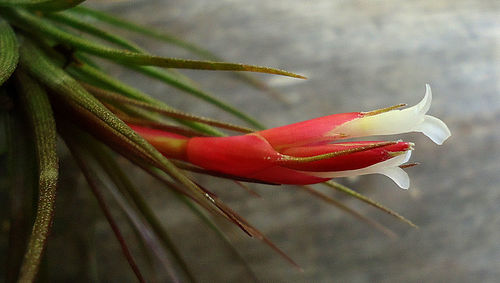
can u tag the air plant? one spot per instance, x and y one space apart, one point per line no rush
51 85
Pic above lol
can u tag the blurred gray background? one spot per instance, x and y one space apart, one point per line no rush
358 55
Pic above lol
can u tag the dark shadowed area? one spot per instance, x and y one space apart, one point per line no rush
358 55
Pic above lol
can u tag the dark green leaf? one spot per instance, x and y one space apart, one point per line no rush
44 5
177 80
94 76
169 112
74 95
120 179
76 23
95 185
162 36
188 86
9 51
39 112
30 23
23 181
127 25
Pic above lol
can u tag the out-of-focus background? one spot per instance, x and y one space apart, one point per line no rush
358 55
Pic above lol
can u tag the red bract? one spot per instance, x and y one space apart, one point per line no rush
302 153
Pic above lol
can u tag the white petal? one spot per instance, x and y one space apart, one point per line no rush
390 168
398 175
425 103
434 128
412 119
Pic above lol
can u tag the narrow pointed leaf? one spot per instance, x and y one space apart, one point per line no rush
348 210
189 203
159 125
248 189
211 224
23 181
232 216
167 111
183 83
67 89
44 5
176 80
148 31
369 201
121 180
162 36
75 22
92 75
145 232
30 22
40 115
252 231
9 54
94 186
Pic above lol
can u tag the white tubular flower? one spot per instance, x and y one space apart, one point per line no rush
412 119
389 168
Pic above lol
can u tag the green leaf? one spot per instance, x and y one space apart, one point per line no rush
167 111
218 231
120 179
181 82
162 36
92 75
367 200
44 5
42 121
94 184
160 125
348 210
229 214
30 22
176 80
74 22
23 181
148 31
74 95
9 54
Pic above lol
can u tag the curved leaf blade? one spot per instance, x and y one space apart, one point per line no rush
44 128
93 75
23 181
169 112
94 185
173 40
189 87
31 22
73 94
74 22
178 81
10 54
120 179
162 36
367 200
43 5
349 210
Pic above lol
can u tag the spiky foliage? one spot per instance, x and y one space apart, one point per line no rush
50 82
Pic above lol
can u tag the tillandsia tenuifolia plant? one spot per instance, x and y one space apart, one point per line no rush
51 85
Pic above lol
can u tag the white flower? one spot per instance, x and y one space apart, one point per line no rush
389 168
412 119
